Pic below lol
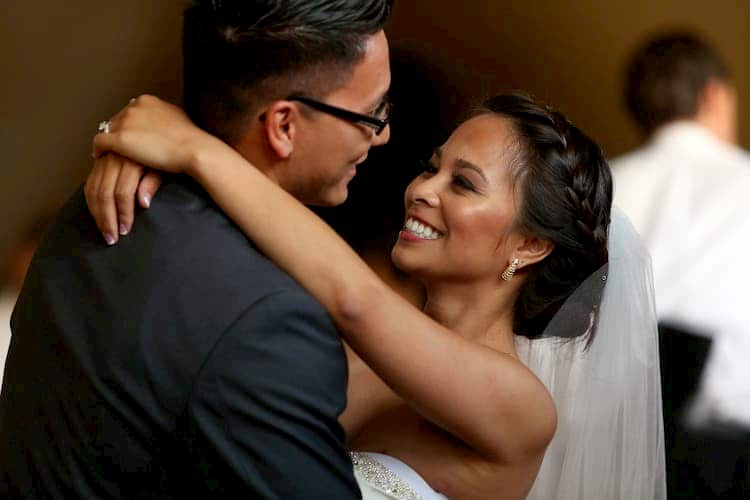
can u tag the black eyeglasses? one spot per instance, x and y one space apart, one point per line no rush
376 123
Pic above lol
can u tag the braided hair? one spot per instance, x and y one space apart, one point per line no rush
566 196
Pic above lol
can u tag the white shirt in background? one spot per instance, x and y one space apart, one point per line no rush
688 195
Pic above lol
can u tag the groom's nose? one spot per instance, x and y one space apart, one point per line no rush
384 137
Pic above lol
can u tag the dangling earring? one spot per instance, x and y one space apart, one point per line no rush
510 270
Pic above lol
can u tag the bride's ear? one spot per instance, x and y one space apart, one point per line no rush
280 122
531 250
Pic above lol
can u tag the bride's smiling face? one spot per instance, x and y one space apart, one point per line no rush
460 210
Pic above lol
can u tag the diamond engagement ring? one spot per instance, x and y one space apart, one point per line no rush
104 126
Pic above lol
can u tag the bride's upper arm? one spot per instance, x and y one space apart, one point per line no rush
367 395
531 419
494 404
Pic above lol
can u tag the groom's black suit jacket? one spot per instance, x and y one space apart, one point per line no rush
178 362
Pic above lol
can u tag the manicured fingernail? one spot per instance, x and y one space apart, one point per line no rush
146 200
109 239
124 229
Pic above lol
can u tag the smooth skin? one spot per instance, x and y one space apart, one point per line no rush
448 397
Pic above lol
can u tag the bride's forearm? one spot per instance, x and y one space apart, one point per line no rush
285 230
453 382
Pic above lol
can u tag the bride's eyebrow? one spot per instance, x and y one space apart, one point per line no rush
461 163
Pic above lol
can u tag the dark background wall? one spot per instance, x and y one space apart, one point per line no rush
68 65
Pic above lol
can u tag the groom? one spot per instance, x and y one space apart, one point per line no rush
181 361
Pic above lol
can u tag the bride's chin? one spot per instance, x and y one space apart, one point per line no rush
408 265
399 260
398 264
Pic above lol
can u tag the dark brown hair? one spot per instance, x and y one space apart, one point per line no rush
566 196
666 76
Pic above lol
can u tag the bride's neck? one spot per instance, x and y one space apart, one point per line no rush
482 314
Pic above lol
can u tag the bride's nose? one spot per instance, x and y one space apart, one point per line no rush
423 191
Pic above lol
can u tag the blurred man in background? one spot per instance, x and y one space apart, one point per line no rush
686 191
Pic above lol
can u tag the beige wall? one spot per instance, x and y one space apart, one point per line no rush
67 65
569 53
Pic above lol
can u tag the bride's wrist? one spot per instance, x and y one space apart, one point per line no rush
205 155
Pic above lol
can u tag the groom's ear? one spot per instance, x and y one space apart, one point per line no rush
280 122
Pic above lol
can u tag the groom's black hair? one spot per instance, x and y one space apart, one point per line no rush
240 54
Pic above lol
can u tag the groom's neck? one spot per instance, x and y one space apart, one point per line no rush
261 158
254 148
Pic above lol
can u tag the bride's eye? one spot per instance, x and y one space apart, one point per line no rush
463 183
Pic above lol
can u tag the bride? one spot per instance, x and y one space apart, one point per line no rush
507 228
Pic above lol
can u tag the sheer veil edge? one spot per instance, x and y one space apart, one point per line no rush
610 439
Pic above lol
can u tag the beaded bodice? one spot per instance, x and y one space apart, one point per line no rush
382 478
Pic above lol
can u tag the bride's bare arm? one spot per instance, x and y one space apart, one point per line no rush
486 399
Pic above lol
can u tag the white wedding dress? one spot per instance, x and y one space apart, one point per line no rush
382 477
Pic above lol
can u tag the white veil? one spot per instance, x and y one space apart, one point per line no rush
609 443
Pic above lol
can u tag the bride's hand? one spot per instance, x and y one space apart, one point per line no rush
149 131
111 189
155 133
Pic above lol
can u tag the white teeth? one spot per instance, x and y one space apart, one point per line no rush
421 230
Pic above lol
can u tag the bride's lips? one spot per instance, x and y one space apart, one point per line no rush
407 236
419 230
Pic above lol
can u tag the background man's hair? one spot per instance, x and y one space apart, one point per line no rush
240 54
666 76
